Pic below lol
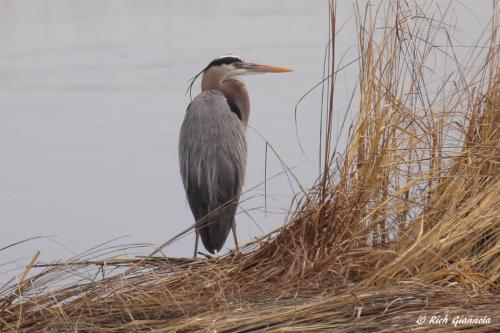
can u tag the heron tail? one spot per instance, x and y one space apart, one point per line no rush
215 228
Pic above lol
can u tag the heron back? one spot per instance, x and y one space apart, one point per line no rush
212 154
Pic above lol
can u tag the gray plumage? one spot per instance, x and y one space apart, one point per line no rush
213 149
212 154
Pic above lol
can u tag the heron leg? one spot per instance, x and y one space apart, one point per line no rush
197 233
233 228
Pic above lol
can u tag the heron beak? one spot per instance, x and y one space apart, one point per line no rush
257 69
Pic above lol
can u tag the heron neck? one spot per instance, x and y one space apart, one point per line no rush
233 89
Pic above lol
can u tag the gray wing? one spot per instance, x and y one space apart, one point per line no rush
212 155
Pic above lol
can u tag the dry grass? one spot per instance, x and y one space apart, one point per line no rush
406 221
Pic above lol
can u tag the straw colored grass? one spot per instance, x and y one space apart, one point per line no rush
403 223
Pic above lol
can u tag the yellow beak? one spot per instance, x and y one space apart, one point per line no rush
256 68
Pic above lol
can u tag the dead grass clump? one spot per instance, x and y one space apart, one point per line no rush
404 222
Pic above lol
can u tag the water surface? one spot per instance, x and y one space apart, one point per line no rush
92 96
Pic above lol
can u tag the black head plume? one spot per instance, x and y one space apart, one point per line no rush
224 60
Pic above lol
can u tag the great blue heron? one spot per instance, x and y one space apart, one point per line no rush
213 149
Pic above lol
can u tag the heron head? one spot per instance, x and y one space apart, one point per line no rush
231 66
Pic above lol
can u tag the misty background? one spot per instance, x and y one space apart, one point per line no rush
93 94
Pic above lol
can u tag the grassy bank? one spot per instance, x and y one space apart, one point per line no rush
403 223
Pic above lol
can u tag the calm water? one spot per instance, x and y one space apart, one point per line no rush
92 96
